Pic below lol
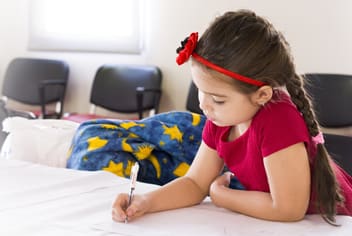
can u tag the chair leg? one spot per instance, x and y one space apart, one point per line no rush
140 97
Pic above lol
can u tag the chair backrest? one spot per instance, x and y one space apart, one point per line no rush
36 81
23 77
332 97
114 87
340 149
192 102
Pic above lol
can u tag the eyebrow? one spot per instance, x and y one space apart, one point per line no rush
215 94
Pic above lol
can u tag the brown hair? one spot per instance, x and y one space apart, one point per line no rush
248 44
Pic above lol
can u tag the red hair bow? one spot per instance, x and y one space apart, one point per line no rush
187 49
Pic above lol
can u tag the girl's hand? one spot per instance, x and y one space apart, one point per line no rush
121 211
218 184
223 180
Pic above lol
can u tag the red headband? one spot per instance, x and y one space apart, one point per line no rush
187 50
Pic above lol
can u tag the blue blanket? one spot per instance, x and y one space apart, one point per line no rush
164 146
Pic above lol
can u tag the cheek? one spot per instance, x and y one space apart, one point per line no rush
233 113
203 101
200 97
224 113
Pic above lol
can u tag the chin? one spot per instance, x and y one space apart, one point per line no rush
219 123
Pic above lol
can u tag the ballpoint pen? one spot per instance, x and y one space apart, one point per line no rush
133 179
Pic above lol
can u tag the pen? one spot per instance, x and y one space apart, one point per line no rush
133 179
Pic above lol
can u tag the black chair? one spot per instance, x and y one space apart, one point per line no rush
192 102
331 95
37 82
340 148
123 89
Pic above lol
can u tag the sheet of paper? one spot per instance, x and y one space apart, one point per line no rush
204 221
49 201
128 229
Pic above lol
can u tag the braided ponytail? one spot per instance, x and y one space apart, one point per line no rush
324 184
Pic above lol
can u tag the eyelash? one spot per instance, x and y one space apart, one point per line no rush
218 102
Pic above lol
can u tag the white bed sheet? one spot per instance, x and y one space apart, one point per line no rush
42 200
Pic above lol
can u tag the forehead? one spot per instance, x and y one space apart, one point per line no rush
208 82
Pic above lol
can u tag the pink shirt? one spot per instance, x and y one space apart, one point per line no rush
276 126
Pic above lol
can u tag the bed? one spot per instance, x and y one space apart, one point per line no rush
40 197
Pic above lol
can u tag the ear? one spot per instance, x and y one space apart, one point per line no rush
263 95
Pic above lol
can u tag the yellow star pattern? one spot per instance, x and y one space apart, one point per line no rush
154 160
130 124
181 169
96 143
161 143
173 132
115 168
196 118
125 146
143 151
132 135
108 126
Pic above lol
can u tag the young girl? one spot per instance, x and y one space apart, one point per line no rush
260 124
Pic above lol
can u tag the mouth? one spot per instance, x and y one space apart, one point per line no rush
209 117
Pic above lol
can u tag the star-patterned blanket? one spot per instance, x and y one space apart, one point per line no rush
164 145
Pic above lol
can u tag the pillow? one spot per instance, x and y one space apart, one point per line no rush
40 141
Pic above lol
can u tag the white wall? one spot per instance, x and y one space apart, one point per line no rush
319 31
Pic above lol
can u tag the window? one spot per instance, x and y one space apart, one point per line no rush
85 25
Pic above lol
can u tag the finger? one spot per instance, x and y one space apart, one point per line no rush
119 207
115 216
229 174
131 210
135 209
225 179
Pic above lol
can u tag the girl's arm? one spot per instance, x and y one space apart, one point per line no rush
193 187
185 191
288 175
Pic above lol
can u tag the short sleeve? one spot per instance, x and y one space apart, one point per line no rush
282 127
208 134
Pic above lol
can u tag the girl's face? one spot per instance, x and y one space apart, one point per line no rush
221 102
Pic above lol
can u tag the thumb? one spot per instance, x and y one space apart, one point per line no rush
131 210
229 174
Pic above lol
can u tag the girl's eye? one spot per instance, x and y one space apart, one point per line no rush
218 101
